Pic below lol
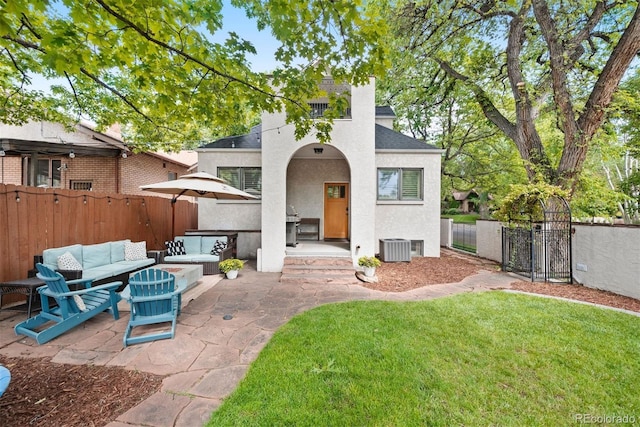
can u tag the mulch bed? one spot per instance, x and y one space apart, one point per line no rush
42 393
451 267
580 293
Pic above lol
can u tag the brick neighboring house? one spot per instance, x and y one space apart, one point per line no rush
45 154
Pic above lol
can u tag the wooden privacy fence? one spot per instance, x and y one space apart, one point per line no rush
33 219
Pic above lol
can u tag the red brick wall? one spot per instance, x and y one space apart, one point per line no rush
11 170
102 172
141 169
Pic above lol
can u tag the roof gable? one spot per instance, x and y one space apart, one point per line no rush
386 139
250 140
389 139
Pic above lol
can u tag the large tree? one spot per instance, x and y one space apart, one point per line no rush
558 57
153 66
437 109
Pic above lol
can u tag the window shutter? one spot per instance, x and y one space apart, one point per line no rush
253 181
411 184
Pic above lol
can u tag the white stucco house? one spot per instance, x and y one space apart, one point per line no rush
369 183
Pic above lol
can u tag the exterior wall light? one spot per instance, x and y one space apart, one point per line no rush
318 150
72 155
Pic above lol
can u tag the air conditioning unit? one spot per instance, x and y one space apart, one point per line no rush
393 250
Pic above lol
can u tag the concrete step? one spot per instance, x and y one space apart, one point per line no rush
314 270
316 279
321 261
337 270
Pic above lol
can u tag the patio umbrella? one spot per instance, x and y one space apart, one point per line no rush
199 184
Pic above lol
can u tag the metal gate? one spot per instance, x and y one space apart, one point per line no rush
541 250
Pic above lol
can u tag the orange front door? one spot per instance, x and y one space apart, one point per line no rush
336 211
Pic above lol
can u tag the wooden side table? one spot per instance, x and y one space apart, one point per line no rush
22 286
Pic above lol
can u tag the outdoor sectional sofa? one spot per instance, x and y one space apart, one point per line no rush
198 251
102 262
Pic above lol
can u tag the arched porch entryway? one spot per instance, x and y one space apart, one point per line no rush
318 191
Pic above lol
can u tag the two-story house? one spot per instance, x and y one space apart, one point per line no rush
370 183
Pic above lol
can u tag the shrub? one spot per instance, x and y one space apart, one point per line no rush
231 264
368 261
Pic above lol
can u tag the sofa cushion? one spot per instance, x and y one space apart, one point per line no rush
218 248
177 259
96 255
117 250
98 273
135 251
208 242
175 247
192 244
50 256
66 261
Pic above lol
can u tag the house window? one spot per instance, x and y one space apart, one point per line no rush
245 179
416 248
82 185
47 173
319 108
399 184
172 176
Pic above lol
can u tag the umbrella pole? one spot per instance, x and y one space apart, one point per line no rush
173 218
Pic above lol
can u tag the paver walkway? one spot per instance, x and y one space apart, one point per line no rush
209 355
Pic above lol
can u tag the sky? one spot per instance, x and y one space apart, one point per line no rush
236 20
233 20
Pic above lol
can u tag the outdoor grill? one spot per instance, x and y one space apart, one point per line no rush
293 220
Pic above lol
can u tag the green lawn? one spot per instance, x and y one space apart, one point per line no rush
463 218
475 359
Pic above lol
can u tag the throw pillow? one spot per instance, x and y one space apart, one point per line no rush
175 247
67 261
135 251
218 247
79 303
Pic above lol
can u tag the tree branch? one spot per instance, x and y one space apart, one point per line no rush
489 110
24 43
150 37
116 93
73 89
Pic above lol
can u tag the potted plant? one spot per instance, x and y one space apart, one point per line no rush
230 267
369 264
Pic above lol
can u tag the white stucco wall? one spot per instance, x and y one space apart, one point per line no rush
354 138
489 240
243 216
446 232
607 257
418 220
603 256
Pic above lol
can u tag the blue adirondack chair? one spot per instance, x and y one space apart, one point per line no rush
5 379
73 307
154 299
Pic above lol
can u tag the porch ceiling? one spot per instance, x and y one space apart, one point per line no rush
328 152
17 147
